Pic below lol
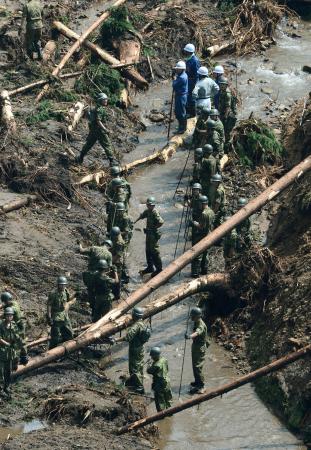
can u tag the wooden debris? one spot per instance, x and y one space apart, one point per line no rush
17 204
218 48
75 113
49 51
7 116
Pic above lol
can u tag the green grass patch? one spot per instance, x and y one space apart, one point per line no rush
44 112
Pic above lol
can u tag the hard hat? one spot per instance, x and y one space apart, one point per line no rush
214 112
223 80
196 186
120 206
198 152
138 312
6 297
219 70
242 201
101 96
9 311
196 312
62 281
115 170
108 242
180 65
203 199
189 48
203 71
115 231
155 351
102 264
217 178
211 123
207 149
151 201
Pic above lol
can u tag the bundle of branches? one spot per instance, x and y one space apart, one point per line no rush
256 21
100 78
255 143
115 28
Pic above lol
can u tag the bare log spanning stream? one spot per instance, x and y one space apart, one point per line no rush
104 327
212 393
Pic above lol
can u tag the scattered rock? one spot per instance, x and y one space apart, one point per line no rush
156 116
267 90
295 35
306 69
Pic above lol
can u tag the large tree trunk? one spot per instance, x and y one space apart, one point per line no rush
7 117
213 393
218 48
129 73
78 44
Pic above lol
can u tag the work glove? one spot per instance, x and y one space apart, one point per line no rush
24 360
187 336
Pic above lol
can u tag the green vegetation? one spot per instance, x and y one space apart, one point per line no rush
100 78
60 94
115 27
45 111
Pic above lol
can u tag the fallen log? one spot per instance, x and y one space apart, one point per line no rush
46 338
104 326
213 393
75 113
117 321
218 48
17 204
39 83
129 73
160 156
48 51
78 44
7 116
124 100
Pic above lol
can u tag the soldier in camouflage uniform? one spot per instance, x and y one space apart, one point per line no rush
230 243
119 196
217 198
198 139
154 222
219 127
203 227
161 383
57 314
118 257
198 349
198 154
208 168
213 138
7 301
115 173
194 202
32 15
11 344
137 335
98 131
103 285
124 222
244 232
227 108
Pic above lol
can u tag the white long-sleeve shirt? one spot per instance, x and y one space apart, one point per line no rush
208 85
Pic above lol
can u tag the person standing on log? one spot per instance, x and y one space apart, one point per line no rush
217 198
198 349
137 336
203 226
103 285
211 88
208 168
32 15
11 343
153 235
98 131
180 88
161 383
218 73
192 66
57 313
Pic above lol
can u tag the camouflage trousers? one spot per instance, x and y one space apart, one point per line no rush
33 44
163 398
198 358
61 331
136 368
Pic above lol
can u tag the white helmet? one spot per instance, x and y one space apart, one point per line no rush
180 65
189 48
203 71
219 70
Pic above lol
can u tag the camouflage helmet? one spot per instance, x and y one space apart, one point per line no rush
207 149
102 264
214 112
9 311
151 201
196 186
206 110
6 297
115 231
203 199
101 96
211 124
242 201
223 80
138 312
155 351
62 281
115 171
108 242
217 178
117 182
196 312
198 152
120 206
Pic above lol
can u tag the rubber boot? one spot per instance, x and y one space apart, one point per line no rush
158 265
149 268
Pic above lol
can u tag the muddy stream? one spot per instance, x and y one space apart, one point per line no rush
239 419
